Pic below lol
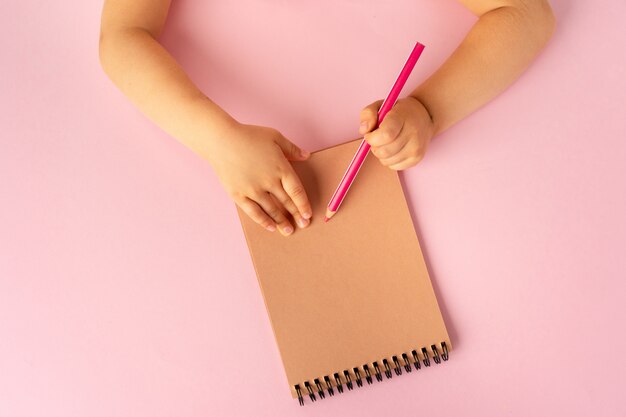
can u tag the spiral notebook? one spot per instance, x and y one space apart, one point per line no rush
350 301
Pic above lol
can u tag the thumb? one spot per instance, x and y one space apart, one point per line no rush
369 117
290 150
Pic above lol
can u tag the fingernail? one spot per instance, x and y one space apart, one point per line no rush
363 127
287 230
271 228
303 223
306 215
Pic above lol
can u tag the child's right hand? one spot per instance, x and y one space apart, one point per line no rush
252 162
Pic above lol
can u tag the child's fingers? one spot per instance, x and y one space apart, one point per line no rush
256 213
369 117
279 194
388 130
408 156
407 163
400 156
291 151
268 204
393 148
294 188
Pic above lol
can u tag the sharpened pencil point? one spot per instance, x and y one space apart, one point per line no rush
326 219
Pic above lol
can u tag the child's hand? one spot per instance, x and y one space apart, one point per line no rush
252 162
402 138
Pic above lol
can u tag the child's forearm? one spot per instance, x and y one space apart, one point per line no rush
145 72
495 52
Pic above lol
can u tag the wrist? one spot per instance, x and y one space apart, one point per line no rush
216 119
434 127
214 128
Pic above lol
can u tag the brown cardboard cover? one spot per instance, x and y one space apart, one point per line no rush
352 291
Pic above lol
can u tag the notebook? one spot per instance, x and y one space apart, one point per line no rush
350 301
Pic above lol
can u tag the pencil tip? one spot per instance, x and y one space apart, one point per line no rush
326 219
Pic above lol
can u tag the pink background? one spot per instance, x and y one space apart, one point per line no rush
126 288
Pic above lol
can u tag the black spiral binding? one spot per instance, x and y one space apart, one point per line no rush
346 374
404 360
368 376
379 377
329 386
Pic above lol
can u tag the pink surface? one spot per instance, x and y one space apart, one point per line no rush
125 283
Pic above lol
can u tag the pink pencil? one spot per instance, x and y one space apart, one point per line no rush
364 147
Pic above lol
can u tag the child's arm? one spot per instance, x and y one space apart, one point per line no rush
251 161
504 41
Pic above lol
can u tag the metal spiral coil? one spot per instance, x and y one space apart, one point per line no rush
404 360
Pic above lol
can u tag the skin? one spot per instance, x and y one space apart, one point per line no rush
252 162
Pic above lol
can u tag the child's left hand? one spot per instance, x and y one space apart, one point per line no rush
402 138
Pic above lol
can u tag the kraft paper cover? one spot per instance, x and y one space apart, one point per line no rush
352 291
